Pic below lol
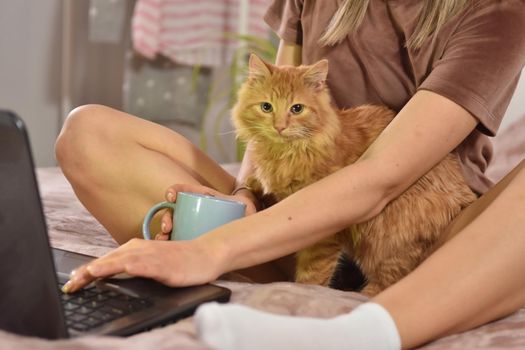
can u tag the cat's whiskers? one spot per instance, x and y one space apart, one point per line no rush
256 128
227 133
302 133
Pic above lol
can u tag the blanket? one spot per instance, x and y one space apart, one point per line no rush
71 227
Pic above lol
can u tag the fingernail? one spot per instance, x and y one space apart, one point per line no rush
66 287
171 197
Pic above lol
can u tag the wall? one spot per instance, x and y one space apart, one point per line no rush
30 60
517 104
30 33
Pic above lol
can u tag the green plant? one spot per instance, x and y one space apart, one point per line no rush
264 48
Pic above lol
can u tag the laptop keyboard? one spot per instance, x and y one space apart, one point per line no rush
91 307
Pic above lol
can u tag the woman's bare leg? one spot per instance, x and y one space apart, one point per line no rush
120 165
473 278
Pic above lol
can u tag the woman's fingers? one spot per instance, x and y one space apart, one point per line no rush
171 195
78 278
112 263
166 223
84 275
171 192
162 237
175 264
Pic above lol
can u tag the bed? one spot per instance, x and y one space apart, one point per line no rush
71 227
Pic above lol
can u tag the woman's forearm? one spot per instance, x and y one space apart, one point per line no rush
288 54
240 187
300 220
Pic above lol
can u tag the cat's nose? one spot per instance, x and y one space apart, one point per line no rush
280 129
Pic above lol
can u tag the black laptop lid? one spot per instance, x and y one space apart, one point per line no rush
29 302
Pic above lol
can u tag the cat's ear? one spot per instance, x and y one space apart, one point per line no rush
257 67
316 74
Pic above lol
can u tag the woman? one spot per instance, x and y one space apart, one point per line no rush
448 67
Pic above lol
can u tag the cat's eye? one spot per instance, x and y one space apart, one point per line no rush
266 107
297 108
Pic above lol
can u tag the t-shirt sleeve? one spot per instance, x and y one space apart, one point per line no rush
284 17
482 62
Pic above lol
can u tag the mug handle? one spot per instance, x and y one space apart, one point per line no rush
149 216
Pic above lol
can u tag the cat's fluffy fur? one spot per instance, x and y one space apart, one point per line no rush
292 150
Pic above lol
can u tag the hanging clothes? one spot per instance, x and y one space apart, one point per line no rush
193 32
106 21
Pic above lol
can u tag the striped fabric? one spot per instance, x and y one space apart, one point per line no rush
193 32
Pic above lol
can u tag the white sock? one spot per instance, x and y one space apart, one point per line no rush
232 327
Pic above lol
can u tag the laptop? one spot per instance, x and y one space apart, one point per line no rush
32 273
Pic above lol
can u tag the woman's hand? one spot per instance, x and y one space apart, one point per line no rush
176 264
171 196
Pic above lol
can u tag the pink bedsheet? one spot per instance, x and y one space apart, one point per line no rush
71 227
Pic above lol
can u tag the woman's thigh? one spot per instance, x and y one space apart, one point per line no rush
120 165
471 212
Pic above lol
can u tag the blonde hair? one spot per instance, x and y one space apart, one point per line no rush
351 13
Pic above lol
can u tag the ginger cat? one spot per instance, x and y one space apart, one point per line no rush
297 137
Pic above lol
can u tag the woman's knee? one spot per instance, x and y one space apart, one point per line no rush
84 135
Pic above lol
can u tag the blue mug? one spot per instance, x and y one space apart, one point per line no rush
195 214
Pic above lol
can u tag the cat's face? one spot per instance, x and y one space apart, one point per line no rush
282 104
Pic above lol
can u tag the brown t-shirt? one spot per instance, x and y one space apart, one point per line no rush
475 60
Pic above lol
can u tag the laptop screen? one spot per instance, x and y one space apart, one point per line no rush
29 302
